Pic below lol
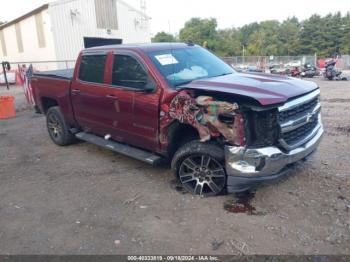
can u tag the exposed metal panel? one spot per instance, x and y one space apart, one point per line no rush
106 14
19 37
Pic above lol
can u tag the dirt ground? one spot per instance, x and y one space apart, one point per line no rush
83 199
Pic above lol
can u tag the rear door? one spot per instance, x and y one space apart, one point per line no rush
93 100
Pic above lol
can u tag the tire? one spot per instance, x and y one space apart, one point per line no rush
200 168
58 128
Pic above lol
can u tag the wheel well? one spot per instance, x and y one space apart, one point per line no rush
178 135
47 103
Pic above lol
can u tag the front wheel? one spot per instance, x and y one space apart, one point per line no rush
200 168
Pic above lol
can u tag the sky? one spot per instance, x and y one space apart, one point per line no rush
171 15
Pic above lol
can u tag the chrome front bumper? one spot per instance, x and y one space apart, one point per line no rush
257 165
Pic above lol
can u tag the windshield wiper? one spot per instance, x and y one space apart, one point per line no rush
224 74
178 86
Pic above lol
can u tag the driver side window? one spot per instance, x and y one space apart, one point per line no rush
128 72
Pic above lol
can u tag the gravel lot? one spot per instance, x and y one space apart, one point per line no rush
83 199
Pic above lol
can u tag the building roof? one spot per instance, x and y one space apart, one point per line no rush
46 6
31 13
134 9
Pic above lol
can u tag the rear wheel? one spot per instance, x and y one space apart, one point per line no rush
200 168
57 127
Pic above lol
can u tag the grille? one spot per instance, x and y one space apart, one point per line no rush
298 111
300 133
299 118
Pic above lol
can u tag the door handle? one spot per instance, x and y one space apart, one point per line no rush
76 91
111 96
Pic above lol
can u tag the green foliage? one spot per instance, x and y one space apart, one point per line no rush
265 40
228 42
325 35
322 35
199 31
163 37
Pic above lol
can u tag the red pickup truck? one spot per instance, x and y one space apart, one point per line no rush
221 130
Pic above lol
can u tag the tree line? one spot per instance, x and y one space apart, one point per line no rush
323 35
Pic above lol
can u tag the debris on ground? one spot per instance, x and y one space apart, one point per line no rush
175 184
117 243
131 200
242 247
216 244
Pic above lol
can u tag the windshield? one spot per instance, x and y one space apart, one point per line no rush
180 66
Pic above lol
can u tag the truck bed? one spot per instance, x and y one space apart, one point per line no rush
61 74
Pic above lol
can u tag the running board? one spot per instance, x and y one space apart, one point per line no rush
121 148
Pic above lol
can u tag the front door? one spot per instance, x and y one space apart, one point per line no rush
130 78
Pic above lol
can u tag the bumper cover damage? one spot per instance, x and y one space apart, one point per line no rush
246 168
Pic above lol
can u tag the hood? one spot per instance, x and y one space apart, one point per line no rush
267 89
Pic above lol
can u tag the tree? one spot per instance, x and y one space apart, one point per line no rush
265 40
325 36
1 22
199 31
345 39
163 37
289 36
322 35
228 42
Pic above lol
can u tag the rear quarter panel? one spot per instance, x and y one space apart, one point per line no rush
56 89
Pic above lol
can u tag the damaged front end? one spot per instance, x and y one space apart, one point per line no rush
277 138
211 118
261 143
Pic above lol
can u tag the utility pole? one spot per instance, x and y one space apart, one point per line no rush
6 66
243 54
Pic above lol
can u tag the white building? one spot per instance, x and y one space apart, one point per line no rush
59 30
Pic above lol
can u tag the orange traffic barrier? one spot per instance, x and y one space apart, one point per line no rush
7 107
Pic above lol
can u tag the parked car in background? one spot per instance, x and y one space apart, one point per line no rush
295 63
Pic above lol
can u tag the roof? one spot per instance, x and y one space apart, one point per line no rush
46 6
31 13
134 9
131 8
142 47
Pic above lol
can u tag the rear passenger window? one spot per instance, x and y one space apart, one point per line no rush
92 68
128 72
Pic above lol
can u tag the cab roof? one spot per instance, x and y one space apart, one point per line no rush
153 47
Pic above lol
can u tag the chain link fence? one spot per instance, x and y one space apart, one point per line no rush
263 63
